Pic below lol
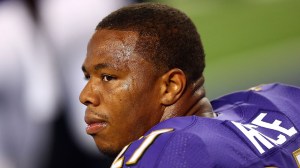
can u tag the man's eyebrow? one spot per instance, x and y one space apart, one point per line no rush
99 66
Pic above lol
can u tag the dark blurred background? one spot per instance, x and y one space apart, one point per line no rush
43 44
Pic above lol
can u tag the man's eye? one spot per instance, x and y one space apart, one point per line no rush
107 78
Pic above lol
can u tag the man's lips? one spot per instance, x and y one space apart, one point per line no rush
94 125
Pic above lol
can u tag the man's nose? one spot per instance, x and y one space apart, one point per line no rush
88 96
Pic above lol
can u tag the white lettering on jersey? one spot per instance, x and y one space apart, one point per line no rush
275 125
251 132
296 155
118 162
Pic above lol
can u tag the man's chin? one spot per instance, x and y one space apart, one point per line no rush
109 152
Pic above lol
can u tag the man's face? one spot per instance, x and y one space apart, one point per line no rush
122 92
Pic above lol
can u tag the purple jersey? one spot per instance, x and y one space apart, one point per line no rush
255 128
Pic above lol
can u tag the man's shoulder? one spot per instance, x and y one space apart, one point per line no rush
274 95
266 118
246 104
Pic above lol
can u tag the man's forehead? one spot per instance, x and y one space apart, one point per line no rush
122 36
115 47
112 41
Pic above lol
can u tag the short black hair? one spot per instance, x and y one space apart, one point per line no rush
167 36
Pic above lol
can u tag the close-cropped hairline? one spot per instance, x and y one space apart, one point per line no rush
167 37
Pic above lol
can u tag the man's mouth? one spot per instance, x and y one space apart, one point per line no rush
95 127
94 123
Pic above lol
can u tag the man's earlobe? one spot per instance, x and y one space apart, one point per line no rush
173 85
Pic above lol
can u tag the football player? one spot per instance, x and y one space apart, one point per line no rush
146 101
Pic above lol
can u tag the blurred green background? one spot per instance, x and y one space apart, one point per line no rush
247 42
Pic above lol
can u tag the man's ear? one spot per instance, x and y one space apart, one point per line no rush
172 86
